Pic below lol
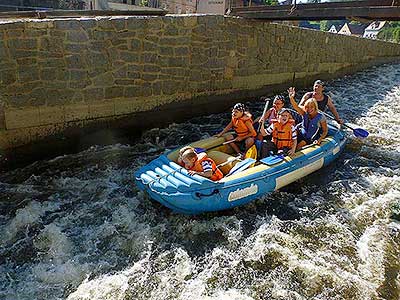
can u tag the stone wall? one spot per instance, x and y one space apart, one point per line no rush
69 73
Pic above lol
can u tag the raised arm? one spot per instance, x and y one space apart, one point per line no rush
292 93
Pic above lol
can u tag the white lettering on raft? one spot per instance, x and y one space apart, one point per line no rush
241 193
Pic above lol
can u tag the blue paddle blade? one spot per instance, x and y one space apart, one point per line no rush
199 150
361 133
272 160
241 166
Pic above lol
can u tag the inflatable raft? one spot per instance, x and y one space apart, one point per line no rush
168 183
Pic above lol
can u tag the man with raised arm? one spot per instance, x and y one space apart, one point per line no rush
322 99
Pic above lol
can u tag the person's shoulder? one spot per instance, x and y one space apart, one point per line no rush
247 116
307 95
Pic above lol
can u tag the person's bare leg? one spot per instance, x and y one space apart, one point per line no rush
235 148
249 142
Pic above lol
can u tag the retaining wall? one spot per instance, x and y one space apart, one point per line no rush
58 74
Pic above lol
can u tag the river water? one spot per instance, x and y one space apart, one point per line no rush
76 227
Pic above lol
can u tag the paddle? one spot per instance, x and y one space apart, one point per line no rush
358 132
272 160
200 150
241 166
257 142
229 160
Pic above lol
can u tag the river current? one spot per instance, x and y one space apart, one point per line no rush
76 227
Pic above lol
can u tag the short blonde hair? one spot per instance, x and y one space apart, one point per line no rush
312 101
182 150
189 153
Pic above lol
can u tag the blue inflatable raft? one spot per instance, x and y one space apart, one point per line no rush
170 184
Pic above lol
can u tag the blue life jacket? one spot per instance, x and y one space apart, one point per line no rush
310 128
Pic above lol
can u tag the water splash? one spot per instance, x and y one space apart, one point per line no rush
75 227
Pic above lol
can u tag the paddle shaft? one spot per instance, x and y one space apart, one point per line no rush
333 118
263 115
199 150
358 132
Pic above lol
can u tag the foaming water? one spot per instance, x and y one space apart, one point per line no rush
76 227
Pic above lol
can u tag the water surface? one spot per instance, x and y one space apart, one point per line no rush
76 226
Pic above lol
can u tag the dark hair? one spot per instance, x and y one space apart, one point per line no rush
280 98
319 82
240 107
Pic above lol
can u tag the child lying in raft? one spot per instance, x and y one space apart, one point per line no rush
199 164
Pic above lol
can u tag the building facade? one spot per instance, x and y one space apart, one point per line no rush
373 29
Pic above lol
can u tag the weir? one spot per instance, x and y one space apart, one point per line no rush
61 77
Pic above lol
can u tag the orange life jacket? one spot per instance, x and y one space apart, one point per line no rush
239 124
282 134
216 173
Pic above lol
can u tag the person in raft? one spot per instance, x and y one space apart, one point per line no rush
200 164
242 123
322 99
272 113
314 128
284 135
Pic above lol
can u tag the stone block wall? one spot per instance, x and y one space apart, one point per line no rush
62 73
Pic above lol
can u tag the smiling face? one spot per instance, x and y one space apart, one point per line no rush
311 107
283 117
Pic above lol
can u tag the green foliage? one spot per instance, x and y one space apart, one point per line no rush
323 25
144 3
394 24
390 33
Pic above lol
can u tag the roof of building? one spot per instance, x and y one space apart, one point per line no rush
306 24
356 29
376 25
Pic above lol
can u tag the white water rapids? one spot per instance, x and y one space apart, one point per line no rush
75 227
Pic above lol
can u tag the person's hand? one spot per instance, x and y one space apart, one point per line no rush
291 152
317 142
238 139
291 92
340 121
191 172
